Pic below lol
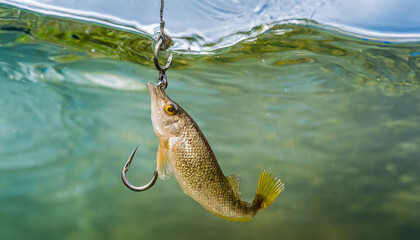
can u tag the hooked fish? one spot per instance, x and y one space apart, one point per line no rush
185 153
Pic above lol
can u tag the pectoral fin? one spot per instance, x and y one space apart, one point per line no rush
164 167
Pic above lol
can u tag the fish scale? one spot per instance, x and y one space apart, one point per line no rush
202 174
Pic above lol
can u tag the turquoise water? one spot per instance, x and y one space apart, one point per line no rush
336 117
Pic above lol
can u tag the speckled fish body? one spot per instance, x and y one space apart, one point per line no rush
185 153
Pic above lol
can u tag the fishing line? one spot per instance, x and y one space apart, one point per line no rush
164 41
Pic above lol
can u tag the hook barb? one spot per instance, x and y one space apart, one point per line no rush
128 184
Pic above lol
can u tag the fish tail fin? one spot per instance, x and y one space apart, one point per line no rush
269 188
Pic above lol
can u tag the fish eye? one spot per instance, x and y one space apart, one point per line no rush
170 109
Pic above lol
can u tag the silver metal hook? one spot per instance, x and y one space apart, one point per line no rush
158 47
128 184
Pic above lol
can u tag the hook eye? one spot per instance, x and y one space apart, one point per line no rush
156 55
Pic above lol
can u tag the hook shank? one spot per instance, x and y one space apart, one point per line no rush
128 184
156 56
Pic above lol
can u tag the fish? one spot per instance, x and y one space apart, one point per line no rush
185 153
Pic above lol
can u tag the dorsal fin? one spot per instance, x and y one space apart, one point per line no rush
164 167
235 183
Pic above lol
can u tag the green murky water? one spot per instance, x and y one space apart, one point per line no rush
337 118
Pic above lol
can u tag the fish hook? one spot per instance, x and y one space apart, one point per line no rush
128 184
158 47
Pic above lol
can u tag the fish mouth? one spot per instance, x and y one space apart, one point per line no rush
155 92
154 100
156 97
152 90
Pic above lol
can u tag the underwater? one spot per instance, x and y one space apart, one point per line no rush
323 94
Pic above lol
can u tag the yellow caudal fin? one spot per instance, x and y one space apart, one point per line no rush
269 188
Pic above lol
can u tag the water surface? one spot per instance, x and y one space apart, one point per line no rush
336 117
